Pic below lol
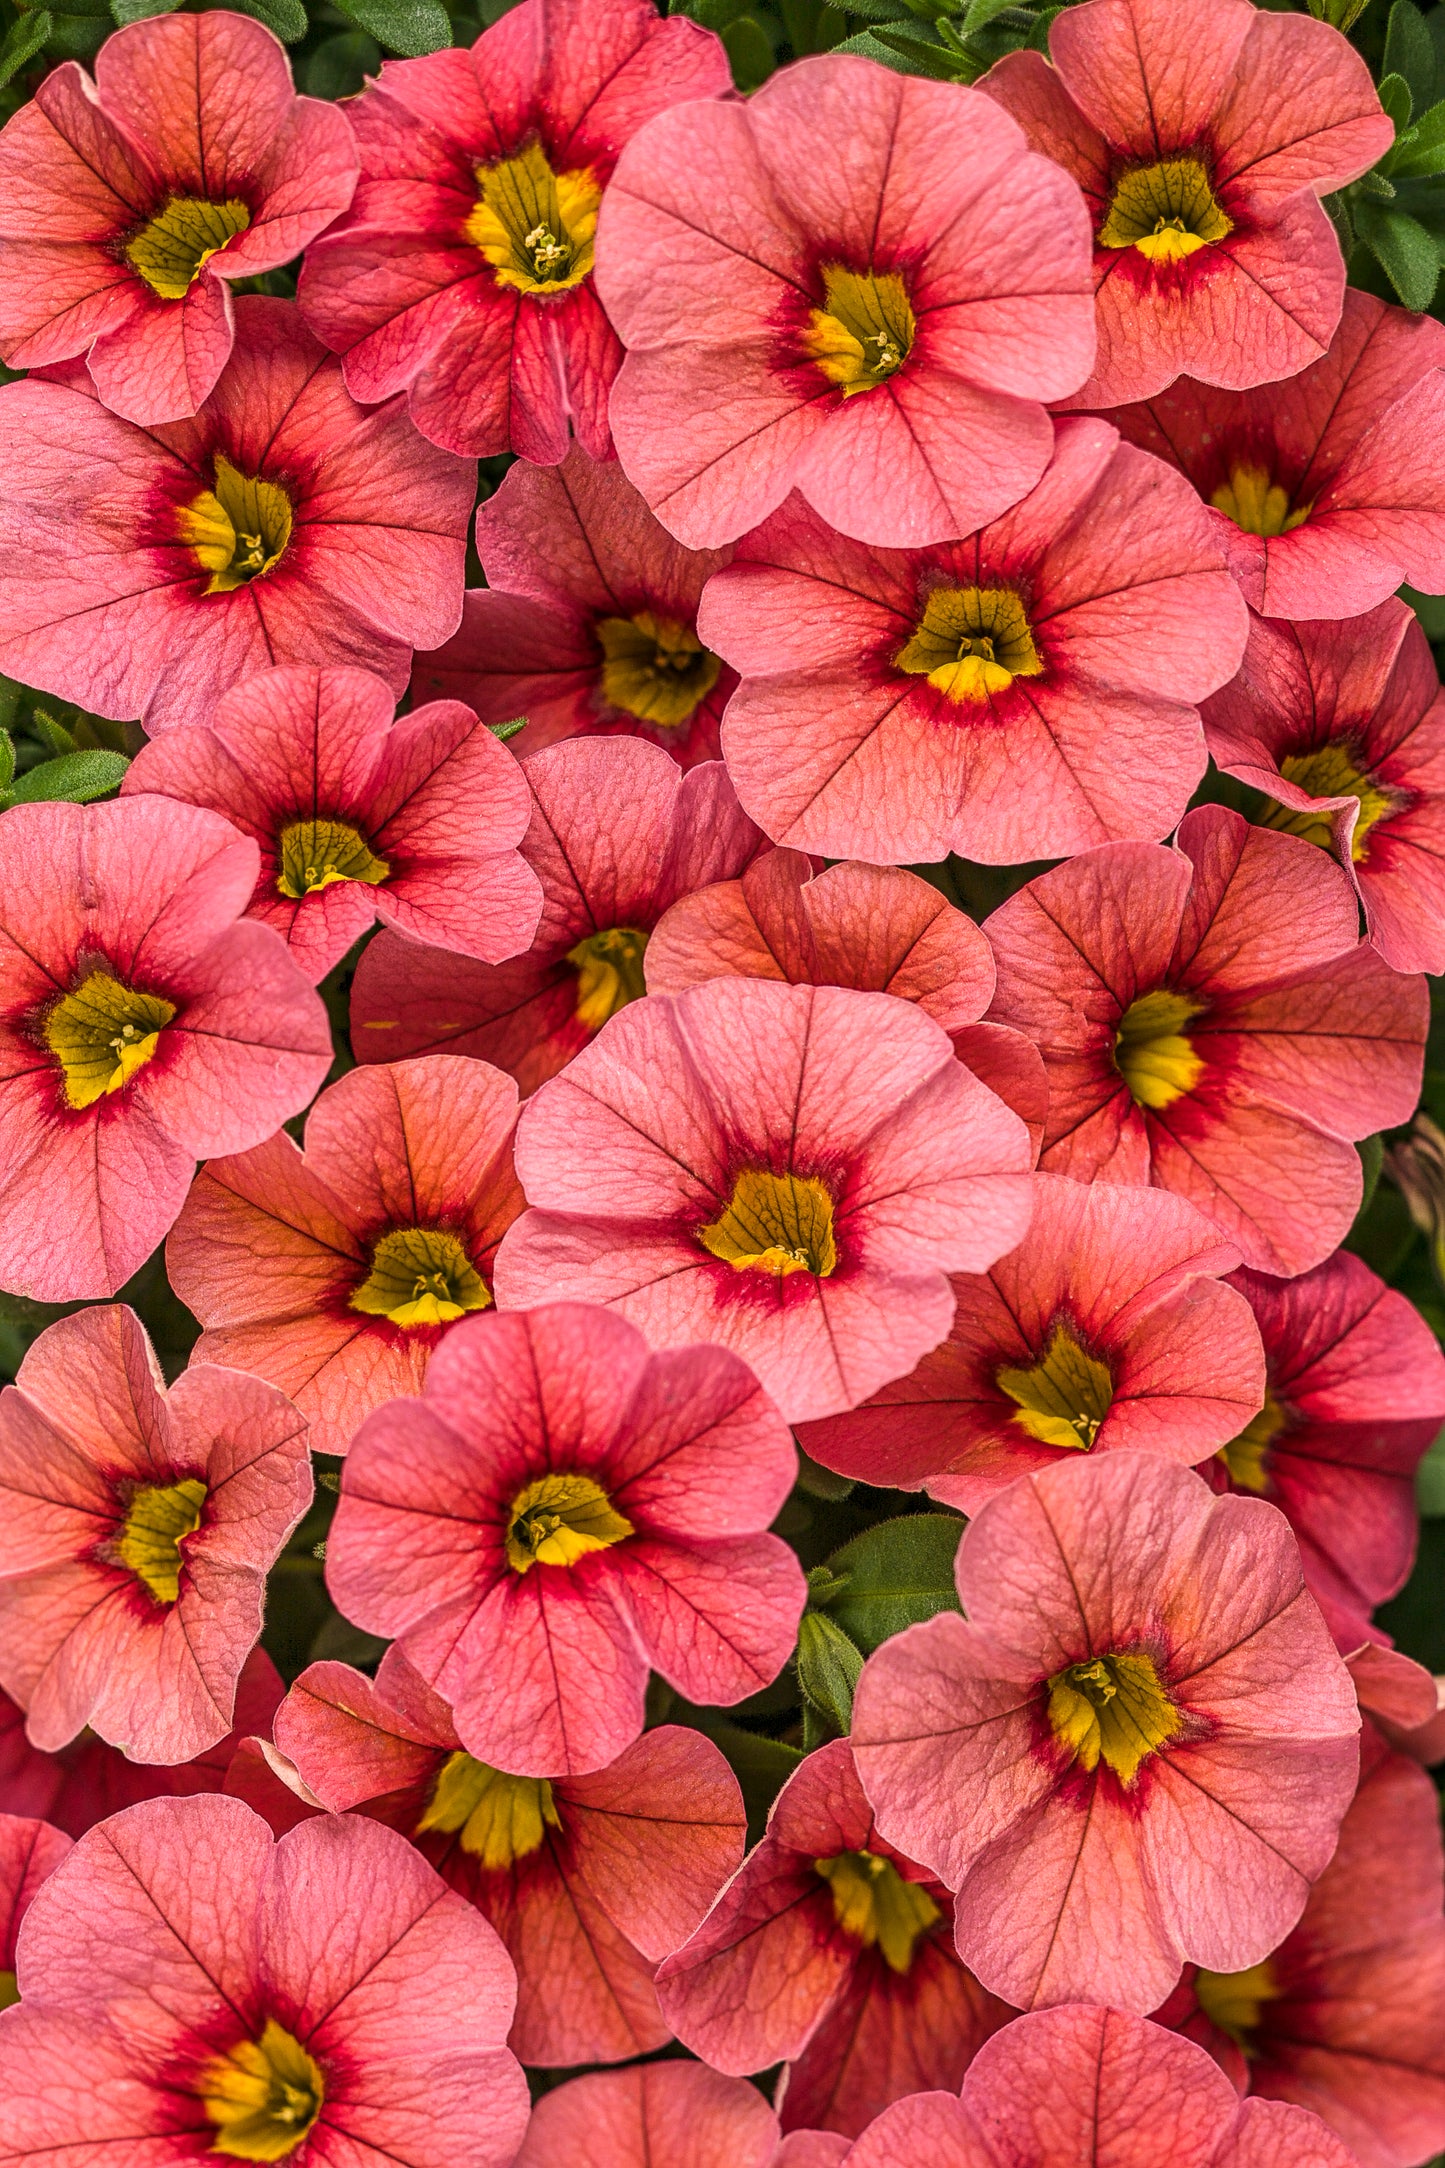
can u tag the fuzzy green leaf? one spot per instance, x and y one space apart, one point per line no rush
409 27
23 41
74 779
897 1574
1401 246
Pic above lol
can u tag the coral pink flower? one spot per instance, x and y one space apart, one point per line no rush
1211 1023
1342 726
337 1271
137 1531
1021 694
29 1853
588 620
1107 1326
130 203
205 1991
357 817
1135 1748
463 275
589 1880
617 835
1328 490
789 1170
679 2113
829 1952
882 345
561 1509
147 571
1203 138
141 1027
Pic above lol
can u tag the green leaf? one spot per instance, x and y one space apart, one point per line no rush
74 779
508 730
898 1573
1430 1482
409 27
340 65
1410 53
138 11
761 1766
1403 249
820 1482
7 760
1372 1159
31 1317
52 734
1396 99
905 54
1422 152
713 14
286 17
829 1665
23 41
750 52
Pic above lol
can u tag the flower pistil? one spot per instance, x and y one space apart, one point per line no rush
1165 211
865 330
498 1819
535 227
239 530
1064 1396
263 2096
170 248
1112 1709
158 1517
778 1223
972 642
420 1276
102 1034
559 1519
874 1902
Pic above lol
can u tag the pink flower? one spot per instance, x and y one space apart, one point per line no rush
589 1880
588 621
336 1272
324 2000
680 2114
29 1853
617 834
357 817
831 1953
1203 138
1021 694
1135 1748
137 1529
148 571
1328 490
1342 726
882 345
1211 1023
559 1511
789 1170
1107 1326
141 1027
463 275
130 203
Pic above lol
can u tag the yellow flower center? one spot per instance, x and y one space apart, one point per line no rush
1151 1051
535 227
316 853
102 1034
864 333
1234 2001
1333 771
559 1519
498 1818
420 1276
1112 1709
655 668
1247 1456
609 973
972 642
1064 1397
238 530
1166 212
872 1900
149 1543
777 1223
169 251
1257 503
263 2096
9 1990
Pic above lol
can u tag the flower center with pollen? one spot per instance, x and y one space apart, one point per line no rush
420 1276
1112 1709
1247 1456
1166 212
149 1543
865 330
170 249
1151 1052
778 1223
872 1900
609 973
313 854
1234 2001
535 227
498 1819
1257 503
238 530
972 642
263 2096
102 1034
1331 772
656 668
1064 1397
559 1519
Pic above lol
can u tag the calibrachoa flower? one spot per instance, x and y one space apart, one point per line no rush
679 2113
1211 1023
137 1529
463 274
141 1027
1329 489
337 1271
357 817
1356 1393
207 1991
1203 137
128 204
29 1852
561 1510
147 571
1344 2017
832 1953
1136 1747
1021 694
589 1880
588 620
790 1170
1107 1326
618 833
1342 726
880 341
